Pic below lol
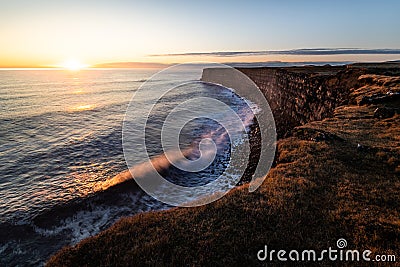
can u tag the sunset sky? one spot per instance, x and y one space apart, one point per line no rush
50 33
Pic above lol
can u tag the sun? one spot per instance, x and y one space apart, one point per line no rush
73 65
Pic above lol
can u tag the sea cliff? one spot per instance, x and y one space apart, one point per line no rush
336 175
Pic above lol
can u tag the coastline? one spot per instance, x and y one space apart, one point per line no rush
336 175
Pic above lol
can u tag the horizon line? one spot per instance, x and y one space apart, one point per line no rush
157 65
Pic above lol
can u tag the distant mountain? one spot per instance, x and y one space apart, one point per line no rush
285 64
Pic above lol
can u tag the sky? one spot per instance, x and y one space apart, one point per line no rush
48 33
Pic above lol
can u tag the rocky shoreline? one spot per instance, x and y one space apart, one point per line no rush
336 175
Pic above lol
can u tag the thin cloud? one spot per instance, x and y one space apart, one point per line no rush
305 52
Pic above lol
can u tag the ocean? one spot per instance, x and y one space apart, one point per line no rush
61 140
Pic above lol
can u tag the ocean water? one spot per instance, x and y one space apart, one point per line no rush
60 141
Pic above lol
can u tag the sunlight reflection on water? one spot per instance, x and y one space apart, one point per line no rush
83 107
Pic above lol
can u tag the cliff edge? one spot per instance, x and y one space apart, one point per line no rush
337 175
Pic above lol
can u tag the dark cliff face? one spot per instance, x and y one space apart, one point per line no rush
298 95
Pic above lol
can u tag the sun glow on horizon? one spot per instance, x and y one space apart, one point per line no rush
73 65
